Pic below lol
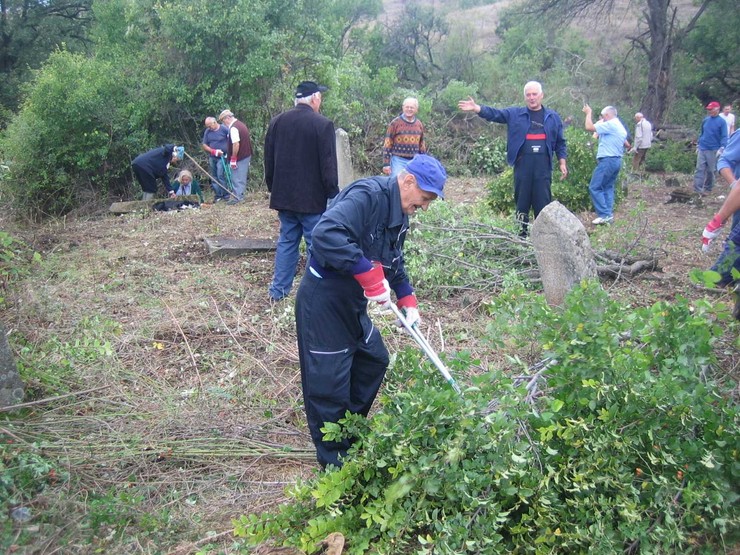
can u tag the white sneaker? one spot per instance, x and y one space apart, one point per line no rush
599 221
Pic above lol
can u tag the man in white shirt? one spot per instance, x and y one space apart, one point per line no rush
729 118
643 141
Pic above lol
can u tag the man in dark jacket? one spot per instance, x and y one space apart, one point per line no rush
153 165
535 133
356 256
301 175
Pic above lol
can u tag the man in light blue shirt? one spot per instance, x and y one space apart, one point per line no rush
612 140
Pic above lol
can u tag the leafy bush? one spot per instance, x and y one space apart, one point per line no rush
455 91
456 248
671 156
619 446
571 193
489 156
24 473
71 136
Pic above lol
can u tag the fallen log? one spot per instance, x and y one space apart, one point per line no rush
618 270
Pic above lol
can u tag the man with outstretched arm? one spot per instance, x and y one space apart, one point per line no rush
534 135
356 257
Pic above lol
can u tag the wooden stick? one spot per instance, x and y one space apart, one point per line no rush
216 181
50 399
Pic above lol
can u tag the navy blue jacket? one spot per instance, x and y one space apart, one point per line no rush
364 223
517 120
154 162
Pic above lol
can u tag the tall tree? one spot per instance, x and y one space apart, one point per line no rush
29 31
664 30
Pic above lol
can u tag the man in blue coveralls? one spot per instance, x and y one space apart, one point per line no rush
355 258
534 135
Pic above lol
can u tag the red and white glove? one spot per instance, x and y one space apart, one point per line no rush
217 152
375 286
710 232
410 309
232 163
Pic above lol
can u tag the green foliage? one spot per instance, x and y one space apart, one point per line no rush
671 156
31 31
24 473
71 137
455 248
14 262
488 156
571 193
706 68
624 447
455 91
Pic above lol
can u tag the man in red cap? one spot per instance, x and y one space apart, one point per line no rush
712 140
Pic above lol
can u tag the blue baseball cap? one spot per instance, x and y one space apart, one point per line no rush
429 173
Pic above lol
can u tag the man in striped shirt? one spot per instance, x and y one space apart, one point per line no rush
404 139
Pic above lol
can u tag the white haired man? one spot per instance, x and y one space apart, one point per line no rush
404 139
301 175
612 140
534 137
239 152
643 141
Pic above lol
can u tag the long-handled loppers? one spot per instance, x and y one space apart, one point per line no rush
424 344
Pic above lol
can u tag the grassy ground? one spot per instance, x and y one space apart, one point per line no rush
191 411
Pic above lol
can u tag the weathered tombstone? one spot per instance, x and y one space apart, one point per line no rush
344 159
12 388
230 246
563 251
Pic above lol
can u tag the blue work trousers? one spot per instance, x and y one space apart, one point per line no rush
603 181
342 356
293 226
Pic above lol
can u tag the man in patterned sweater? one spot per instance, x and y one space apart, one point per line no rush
404 139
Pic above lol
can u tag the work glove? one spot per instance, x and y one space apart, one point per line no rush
710 232
232 163
410 309
217 152
375 286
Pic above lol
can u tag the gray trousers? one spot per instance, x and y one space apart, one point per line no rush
239 177
706 164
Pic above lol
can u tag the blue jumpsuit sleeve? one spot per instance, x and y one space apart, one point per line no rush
337 239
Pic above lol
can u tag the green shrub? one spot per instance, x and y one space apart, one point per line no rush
451 249
621 447
671 156
488 156
71 137
455 91
571 193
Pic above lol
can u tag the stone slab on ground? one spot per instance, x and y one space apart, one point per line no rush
12 388
230 246
126 207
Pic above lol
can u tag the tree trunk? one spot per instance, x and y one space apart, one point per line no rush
660 17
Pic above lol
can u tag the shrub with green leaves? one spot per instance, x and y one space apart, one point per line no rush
488 156
453 248
618 443
571 193
671 156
